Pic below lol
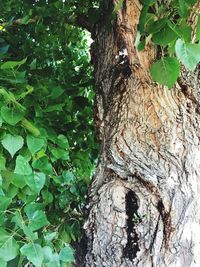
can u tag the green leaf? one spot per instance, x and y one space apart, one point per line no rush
1 121
12 191
47 196
22 166
165 36
66 254
191 2
24 20
18 219
65 236
43 165
62 141
143 19
20 77
48 254
4 49
148 2
55 262
11 115
18 180
156 26
188 54
5 202
165 71
68 177
3 263
12 143
32 207
56 92
57 107
2 163
38 220
60 153
6 178
34 143
50 259
34 253
8 246
183 8
26 153
17 77
36 181
12 64
50 236
1 190
198 29
183 30
33 64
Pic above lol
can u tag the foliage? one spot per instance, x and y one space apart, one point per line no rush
47 146
174 27
48 149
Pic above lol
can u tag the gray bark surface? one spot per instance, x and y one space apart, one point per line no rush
144 207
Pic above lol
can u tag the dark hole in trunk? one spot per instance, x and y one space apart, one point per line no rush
133 219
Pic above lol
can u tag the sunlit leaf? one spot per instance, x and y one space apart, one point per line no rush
12 143
34 143
8 246
66 254
34 253
188 54
12 64
35 181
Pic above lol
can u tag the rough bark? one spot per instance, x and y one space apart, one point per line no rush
144 199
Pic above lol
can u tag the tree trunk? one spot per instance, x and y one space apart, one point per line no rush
144 205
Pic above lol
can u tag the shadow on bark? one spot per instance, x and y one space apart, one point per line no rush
133 218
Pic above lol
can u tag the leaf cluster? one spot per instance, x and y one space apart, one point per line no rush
47 144
174 27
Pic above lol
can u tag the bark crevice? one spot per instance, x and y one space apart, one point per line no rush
150 150
132 246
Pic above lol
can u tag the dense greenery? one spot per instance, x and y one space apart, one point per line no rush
174 27
47 140
48 149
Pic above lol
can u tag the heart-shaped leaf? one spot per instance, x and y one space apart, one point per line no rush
188 54
34 253
51 259
165 36
22 166
12 143
66 254
38 220
11 115
34 143
8 246
165 71
36 181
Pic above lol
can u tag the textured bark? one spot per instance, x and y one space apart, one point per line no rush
145 196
